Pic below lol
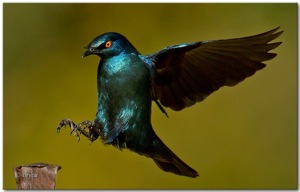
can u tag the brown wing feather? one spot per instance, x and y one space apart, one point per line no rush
188 73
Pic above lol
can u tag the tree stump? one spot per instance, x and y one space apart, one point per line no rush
36 176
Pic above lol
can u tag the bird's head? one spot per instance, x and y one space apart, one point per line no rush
108 45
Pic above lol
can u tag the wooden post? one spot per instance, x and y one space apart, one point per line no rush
36 176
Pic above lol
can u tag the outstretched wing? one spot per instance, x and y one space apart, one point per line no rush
188 73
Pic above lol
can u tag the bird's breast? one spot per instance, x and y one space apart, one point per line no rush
124 98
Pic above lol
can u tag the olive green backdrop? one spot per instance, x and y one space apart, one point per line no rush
242 137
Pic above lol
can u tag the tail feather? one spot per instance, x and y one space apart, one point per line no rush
169 162
176 166
164 158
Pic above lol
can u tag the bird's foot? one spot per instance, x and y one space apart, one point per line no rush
77 129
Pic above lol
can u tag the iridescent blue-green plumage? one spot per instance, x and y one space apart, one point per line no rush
177 77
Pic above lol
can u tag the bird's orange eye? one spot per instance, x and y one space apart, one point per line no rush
108 44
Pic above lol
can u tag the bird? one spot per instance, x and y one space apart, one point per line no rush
175 77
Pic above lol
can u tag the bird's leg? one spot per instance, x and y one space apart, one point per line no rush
78 129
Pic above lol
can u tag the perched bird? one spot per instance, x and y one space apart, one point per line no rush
177 77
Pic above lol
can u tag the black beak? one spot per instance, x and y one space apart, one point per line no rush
87 52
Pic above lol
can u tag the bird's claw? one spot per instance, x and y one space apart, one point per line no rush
74 131
77 129
64 123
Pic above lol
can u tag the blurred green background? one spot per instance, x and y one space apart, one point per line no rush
243 137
